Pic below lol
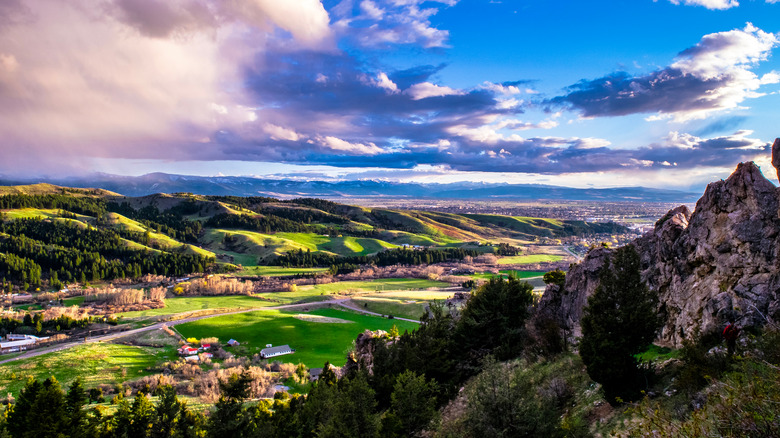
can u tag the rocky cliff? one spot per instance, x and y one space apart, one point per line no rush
719 262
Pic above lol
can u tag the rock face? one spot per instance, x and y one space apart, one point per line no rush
776 156
717 263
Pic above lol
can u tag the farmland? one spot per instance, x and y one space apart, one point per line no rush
94 363
314 342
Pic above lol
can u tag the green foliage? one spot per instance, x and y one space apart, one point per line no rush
404 256
412 405
229 418
745 403
619 321
493 320
699 367
33 246
556 277
504 401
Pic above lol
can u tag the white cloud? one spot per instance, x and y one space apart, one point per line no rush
709 4
426 89
393 22
337 144
382 81
281 133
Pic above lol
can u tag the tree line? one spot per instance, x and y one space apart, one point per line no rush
83 205
396 256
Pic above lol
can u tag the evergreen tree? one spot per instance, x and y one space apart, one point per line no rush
493 320
412 405
75 400
230 419
619 321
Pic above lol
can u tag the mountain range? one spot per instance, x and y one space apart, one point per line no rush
286 188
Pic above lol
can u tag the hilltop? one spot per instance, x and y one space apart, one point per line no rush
709 266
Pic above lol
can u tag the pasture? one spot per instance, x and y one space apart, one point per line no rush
190 304
401 304
528 259
314 342
94 363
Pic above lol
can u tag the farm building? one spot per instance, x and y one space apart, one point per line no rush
15 337
11 346
186 350
265 353
233 343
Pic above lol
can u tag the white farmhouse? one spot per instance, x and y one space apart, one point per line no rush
265 353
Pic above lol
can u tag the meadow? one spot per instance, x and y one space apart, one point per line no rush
314 342
385 284
190 304
95 363
528 259
410 305
521 275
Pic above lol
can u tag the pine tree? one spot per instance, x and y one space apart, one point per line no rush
619 321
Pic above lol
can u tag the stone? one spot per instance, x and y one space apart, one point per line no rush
718 262
776 156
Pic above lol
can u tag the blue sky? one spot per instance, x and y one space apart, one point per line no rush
656 93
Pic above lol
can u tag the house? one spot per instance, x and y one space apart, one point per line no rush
193 358
265 353
314 373
186 350
205 346
233 343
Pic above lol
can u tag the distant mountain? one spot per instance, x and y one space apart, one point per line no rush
280 188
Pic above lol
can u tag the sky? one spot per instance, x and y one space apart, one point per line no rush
657 93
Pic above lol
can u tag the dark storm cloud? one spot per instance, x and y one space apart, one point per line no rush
667 91
713 75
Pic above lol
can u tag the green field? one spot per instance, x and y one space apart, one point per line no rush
189 304
73 301
277 271
94 363
401 304
528 259
373 285
322 292
505 273
314 342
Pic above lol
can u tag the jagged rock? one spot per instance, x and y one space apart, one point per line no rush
363 354
719 262
776 156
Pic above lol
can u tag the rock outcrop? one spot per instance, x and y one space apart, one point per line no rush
717 263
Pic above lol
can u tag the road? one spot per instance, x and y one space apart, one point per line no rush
158 326
573 254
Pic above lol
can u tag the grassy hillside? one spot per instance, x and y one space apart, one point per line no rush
255 231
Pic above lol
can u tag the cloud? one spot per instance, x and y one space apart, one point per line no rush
306 20
379 23
425 90
712 76
710 4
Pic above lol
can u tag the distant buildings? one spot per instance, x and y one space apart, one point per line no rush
269 352
14 343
